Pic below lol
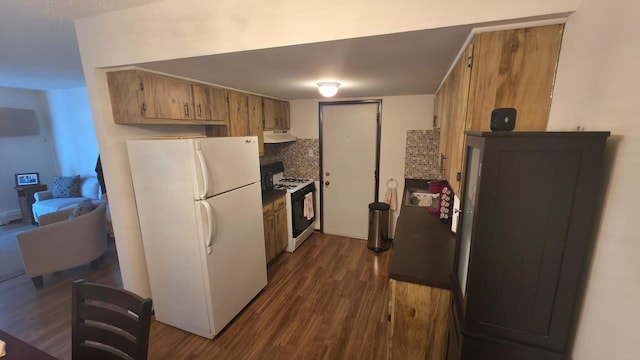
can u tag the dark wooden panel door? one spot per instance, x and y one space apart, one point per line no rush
533 228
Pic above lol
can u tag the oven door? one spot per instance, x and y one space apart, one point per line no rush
300 222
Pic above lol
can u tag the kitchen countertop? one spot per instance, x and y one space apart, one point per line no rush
423 247
271 195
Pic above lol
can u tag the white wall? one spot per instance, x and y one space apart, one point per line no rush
399 114
73 132
176 29
596 88
22 154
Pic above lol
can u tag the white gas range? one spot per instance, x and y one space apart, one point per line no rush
300 203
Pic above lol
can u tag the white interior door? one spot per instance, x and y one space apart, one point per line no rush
349 149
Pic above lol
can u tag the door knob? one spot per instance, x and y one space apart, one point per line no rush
327 183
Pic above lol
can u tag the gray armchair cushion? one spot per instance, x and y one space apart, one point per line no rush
83 208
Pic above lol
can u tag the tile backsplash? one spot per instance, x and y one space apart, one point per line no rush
301 158
422 159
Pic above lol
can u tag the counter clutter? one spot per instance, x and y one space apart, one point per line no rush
419 291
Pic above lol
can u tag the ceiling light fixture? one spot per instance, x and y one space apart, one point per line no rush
328 89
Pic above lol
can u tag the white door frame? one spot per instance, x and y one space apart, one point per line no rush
378 126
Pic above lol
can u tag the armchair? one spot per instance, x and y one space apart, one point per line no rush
62 243
45 203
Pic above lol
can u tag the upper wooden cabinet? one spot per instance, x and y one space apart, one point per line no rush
238 114
210 103
276 114
255 120
503 69
245 118
138 97
453 107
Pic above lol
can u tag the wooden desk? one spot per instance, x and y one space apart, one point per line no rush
25 198
17 349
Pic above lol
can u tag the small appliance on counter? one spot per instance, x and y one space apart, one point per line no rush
435 187
266 175
446 204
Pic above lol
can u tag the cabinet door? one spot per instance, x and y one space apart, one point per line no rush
219 104
419 321
454 110
530 249
165 98
202 102
391 316
269 231
238 114
255 120
436 109
269 113
514 69
281 231
285 115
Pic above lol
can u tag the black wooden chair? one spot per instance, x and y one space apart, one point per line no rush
108 323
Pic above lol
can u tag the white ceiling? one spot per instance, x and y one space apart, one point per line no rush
38 42
396 64
40 51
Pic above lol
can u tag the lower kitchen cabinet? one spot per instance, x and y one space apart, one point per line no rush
275 227
417 321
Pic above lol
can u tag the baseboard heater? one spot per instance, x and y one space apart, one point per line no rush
9 216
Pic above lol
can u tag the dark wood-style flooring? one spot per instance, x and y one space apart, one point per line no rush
328 300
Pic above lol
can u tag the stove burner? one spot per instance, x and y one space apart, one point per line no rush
294 180
283 186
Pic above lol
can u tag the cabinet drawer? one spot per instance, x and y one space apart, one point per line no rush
267 209
279 203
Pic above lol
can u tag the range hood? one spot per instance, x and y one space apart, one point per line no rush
278 136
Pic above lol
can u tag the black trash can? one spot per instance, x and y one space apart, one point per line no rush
378 239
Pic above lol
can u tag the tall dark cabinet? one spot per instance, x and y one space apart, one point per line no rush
524 242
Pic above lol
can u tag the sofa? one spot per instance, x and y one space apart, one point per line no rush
46 203
63 241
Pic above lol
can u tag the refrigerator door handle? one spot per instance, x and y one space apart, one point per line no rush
210 228
205 173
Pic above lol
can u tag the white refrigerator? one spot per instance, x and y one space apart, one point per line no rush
200 211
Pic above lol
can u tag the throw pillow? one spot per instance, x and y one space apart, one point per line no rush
66 186
84 207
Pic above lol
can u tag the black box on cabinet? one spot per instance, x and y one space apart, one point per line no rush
503 119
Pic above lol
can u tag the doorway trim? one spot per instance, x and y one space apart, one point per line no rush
321 104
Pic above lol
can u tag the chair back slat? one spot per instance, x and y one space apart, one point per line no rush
109 321
109 336
103 293
96 351
111 316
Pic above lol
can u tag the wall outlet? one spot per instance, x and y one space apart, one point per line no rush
310 153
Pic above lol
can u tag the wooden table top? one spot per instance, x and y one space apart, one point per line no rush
17 349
